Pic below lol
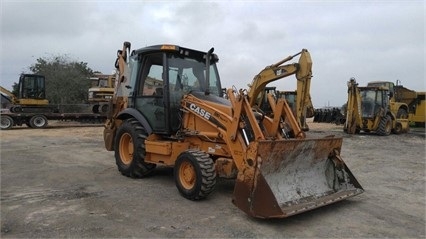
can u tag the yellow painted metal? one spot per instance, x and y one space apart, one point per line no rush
187 175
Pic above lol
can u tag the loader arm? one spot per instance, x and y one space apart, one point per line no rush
303 72
231 129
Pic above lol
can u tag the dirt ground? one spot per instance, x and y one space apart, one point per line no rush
61 182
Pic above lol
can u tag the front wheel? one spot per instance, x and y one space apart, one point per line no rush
130 150
398 128
195 174
38 121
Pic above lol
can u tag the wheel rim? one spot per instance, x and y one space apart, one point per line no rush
187 175
126 148
39 122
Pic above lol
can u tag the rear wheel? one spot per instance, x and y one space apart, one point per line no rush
130 150
6 122
38 121
402 114
385 126
195 174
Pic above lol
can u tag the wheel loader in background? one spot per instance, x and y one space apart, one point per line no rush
371 109
168 110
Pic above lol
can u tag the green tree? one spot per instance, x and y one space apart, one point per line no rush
15 88
66 79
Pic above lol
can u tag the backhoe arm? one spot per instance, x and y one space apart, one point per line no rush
303 72
353 107
119 100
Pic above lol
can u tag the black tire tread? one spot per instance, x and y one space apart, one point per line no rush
33 125
138 168
382 126
9 119
208 174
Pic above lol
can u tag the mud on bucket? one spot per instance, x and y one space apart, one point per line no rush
293 176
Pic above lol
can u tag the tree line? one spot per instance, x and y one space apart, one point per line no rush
67 80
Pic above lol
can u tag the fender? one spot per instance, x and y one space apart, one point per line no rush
130 112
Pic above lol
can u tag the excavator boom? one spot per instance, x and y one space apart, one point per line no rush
13 98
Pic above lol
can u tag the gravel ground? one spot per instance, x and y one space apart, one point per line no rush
61 182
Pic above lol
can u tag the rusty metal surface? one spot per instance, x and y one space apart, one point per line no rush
293 176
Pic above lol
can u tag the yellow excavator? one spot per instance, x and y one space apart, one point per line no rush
302 104
31 94
168 109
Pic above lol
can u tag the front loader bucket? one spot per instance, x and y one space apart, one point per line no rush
288 177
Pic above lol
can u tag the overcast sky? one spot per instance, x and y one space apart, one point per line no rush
368 40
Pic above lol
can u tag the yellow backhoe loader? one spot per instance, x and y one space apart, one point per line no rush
303 71
168 109
370 109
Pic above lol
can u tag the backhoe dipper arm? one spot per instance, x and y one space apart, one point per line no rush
277 71
353 107
119 100
121 61
303 72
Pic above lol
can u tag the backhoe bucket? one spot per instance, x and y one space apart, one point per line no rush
288 177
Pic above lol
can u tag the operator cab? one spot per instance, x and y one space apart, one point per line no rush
159 76
31 87
373 99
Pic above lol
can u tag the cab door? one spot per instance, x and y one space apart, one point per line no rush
149 99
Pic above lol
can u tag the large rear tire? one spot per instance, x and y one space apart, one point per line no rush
130 150
195 174
6 122
38 121
385 126
402 114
